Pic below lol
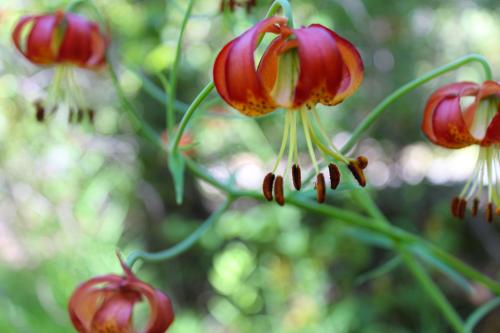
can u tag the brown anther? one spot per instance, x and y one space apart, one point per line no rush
40 111
362 161
91 114
70 116
278 191
462 205
79 117
267 186
320 188
455 202
489 212
334 175
296 177
357 172
475 206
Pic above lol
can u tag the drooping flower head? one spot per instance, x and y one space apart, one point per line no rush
63 40
106 303
232 4
449 121
300 68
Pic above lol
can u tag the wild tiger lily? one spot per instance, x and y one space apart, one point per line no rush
451 123
106 303
300 68
64 40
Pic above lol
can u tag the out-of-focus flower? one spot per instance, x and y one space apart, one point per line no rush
186 144
232 4
106 303
300 68
451 123
64 40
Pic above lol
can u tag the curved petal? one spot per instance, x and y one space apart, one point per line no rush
353 69
321 66
162 312
19 28
76 45
115 314
87 299
492 135
235 76
446 92
40 46
449 126
98 45
485 90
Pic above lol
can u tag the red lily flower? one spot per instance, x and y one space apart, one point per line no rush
65 40
105 304
449 123
300 68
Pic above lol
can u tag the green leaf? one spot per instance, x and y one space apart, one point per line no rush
379 271
176 165
480 313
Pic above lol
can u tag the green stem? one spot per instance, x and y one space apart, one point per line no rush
183 245
287 10
382 106
479 314
433 291
137 122
174 146
173 74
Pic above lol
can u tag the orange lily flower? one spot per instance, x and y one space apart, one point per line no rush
449 123
300 68
64 40
105 304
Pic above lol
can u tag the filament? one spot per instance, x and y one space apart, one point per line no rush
283 141
308 140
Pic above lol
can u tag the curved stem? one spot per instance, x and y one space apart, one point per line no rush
480 313
287 10
189 113
183 245
433 291
172 87
382 106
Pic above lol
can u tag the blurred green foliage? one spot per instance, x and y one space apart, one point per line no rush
71 195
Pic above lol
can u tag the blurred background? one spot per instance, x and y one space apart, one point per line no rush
72 194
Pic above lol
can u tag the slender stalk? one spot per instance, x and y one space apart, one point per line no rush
174 146
172 87
433 291
382 106
287 10
480 313
181 247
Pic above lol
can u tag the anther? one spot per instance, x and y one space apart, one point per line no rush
334 175
267 186
40 111
278 191
489 212
70 116
79 117
461 208
91 114
320 188
497 211
357 172
475 206
296 177
455 202
362 161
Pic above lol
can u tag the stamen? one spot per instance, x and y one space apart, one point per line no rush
296 177
70 116
40 111
267 186
308 140
357 172
278 191
334 175
320 188
362 162
475 206
461 208
489 212
91 114
455 202
79 116
283 141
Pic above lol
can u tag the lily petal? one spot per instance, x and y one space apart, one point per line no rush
235 76
115 314
40 45
492 135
